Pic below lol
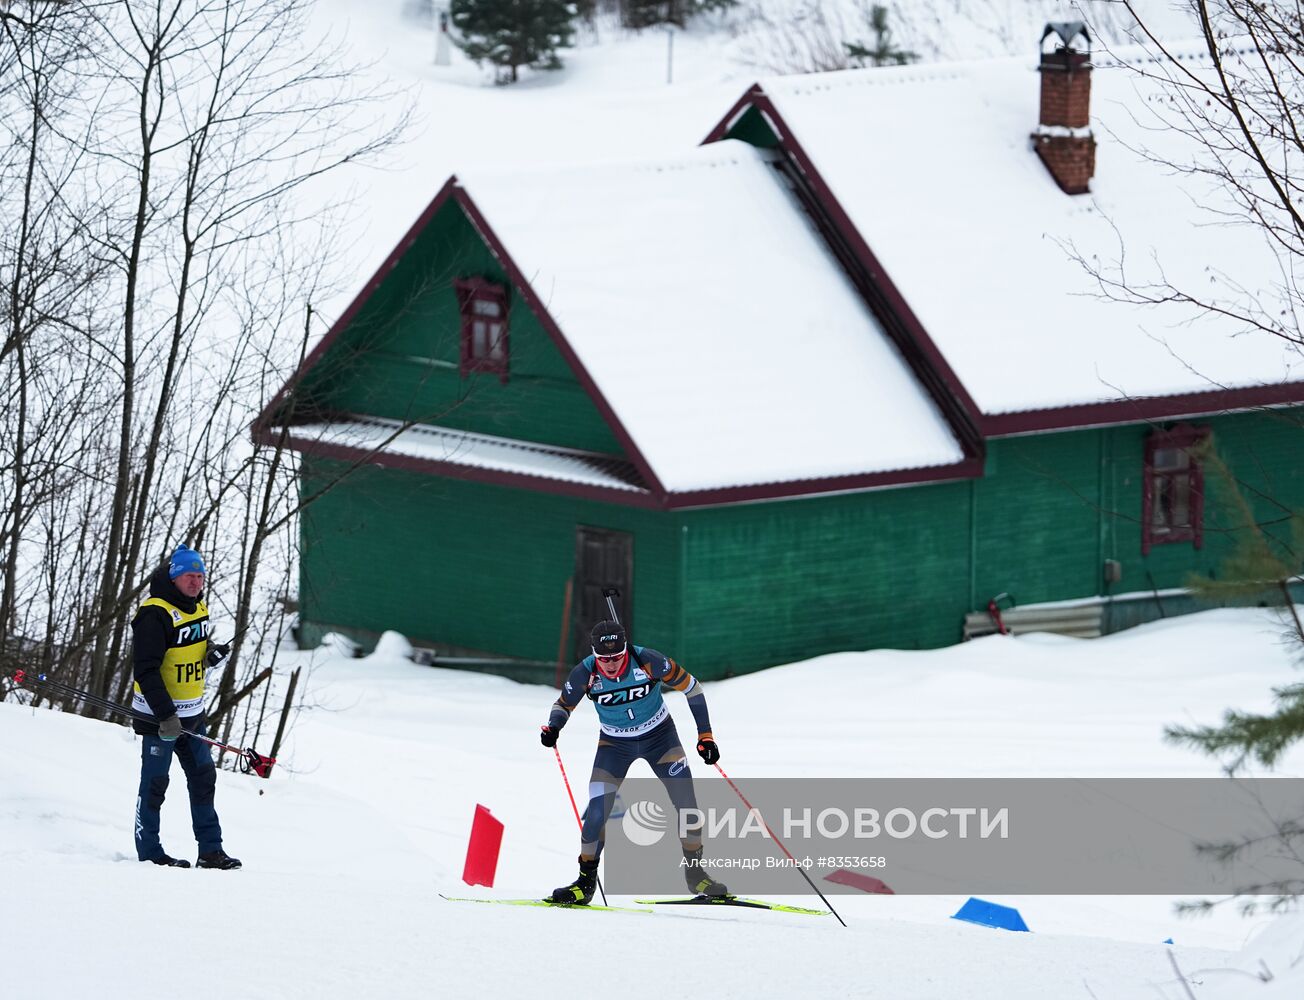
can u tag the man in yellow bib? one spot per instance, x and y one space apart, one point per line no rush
170 654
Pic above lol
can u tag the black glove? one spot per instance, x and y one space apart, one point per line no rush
217 652
709 751
548 735
169 729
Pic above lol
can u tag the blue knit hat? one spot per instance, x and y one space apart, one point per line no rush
185 560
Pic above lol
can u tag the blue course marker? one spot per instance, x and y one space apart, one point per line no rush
979 911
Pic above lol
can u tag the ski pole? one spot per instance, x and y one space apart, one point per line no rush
785 850
250 760
609 593
576 810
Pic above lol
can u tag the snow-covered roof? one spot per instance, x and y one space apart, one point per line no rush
934 168
713 320
425 444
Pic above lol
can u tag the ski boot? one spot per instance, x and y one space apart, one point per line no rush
699 882
167 861
579 892
218 859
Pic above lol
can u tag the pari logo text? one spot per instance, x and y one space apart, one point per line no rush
624 695
193 632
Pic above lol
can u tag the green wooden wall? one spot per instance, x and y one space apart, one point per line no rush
752 128
1053 507
465 565
777 582
769 583
732 589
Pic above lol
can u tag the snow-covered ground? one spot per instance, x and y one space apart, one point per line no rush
366 817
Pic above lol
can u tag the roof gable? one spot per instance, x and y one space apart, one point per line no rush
398 354
383 385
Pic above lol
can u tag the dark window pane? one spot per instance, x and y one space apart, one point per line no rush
1159 508
1172 502
1167 459
1179 515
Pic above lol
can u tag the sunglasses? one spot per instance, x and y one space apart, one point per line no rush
612 658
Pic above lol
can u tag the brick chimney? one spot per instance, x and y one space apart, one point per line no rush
1063 137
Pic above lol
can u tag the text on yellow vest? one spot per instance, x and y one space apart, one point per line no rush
186 657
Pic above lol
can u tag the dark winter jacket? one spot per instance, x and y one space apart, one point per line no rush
150 633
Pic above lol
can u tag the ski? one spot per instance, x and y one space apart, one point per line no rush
544 902
755 904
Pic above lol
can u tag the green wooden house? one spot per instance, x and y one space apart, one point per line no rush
832 380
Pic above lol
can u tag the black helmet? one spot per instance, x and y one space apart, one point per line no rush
608 638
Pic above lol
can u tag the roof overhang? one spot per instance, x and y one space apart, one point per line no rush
1144 410
446 452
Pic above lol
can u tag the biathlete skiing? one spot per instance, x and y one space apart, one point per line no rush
624 682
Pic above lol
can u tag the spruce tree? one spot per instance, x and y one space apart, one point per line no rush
513 33
647 13
1258 570
884 51
1266 557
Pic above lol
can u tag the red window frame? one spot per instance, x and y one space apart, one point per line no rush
483 306
1172 495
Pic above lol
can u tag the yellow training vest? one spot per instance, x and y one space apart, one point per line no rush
185 659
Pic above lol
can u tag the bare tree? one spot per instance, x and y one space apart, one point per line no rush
161 186
47 271
802 37
1240 108
812 36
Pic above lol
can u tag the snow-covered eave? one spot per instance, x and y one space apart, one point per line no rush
615 485
1184 406
883 298
968 468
